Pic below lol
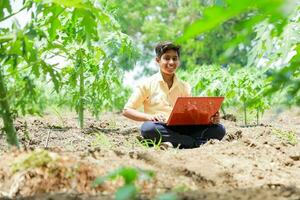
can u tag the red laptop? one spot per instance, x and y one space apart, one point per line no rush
194 110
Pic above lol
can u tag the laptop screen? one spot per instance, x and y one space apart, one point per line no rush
194 110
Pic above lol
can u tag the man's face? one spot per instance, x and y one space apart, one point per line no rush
168 62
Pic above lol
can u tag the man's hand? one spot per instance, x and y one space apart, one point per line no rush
215 119
157 118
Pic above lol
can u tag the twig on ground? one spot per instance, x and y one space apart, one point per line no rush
129 130
47 140
124 131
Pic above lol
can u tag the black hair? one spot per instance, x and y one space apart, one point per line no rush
163 47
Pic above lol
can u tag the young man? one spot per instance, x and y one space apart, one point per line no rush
158 95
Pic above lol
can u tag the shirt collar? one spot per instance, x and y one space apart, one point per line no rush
160 79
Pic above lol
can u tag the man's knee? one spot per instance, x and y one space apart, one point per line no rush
148 129
220 130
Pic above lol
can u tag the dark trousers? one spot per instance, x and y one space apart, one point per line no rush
189 136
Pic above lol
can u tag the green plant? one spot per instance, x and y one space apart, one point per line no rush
60 29
242 87
130 175
250 84
90 41
21 61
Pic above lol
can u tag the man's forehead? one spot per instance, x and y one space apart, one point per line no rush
170 52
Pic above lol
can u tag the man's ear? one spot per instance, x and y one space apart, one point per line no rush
157 59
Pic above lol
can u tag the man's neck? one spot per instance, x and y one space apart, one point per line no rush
168 79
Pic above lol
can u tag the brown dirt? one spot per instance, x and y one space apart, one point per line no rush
250 162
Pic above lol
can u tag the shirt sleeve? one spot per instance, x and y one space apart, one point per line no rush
137 98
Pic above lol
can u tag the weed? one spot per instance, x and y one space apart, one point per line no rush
57 113
181 188
112 123
26 133
152 143
288 136
101 141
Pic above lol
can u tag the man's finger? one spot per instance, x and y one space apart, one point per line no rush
215 119
162 119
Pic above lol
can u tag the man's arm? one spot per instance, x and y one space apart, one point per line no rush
140 116
136 115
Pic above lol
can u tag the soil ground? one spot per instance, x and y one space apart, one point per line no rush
57 160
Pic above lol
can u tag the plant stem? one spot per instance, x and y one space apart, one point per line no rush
257 116
6 115
245 113
81 92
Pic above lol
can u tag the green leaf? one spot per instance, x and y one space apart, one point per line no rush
55 24
6 38
4 4
111 176
167 196
212 17
90 25
35 69
55 77
129 174
65 3
127 192
16 48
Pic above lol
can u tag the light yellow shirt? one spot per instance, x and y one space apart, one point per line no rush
155 95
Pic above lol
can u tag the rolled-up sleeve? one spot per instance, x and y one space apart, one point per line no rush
137 98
